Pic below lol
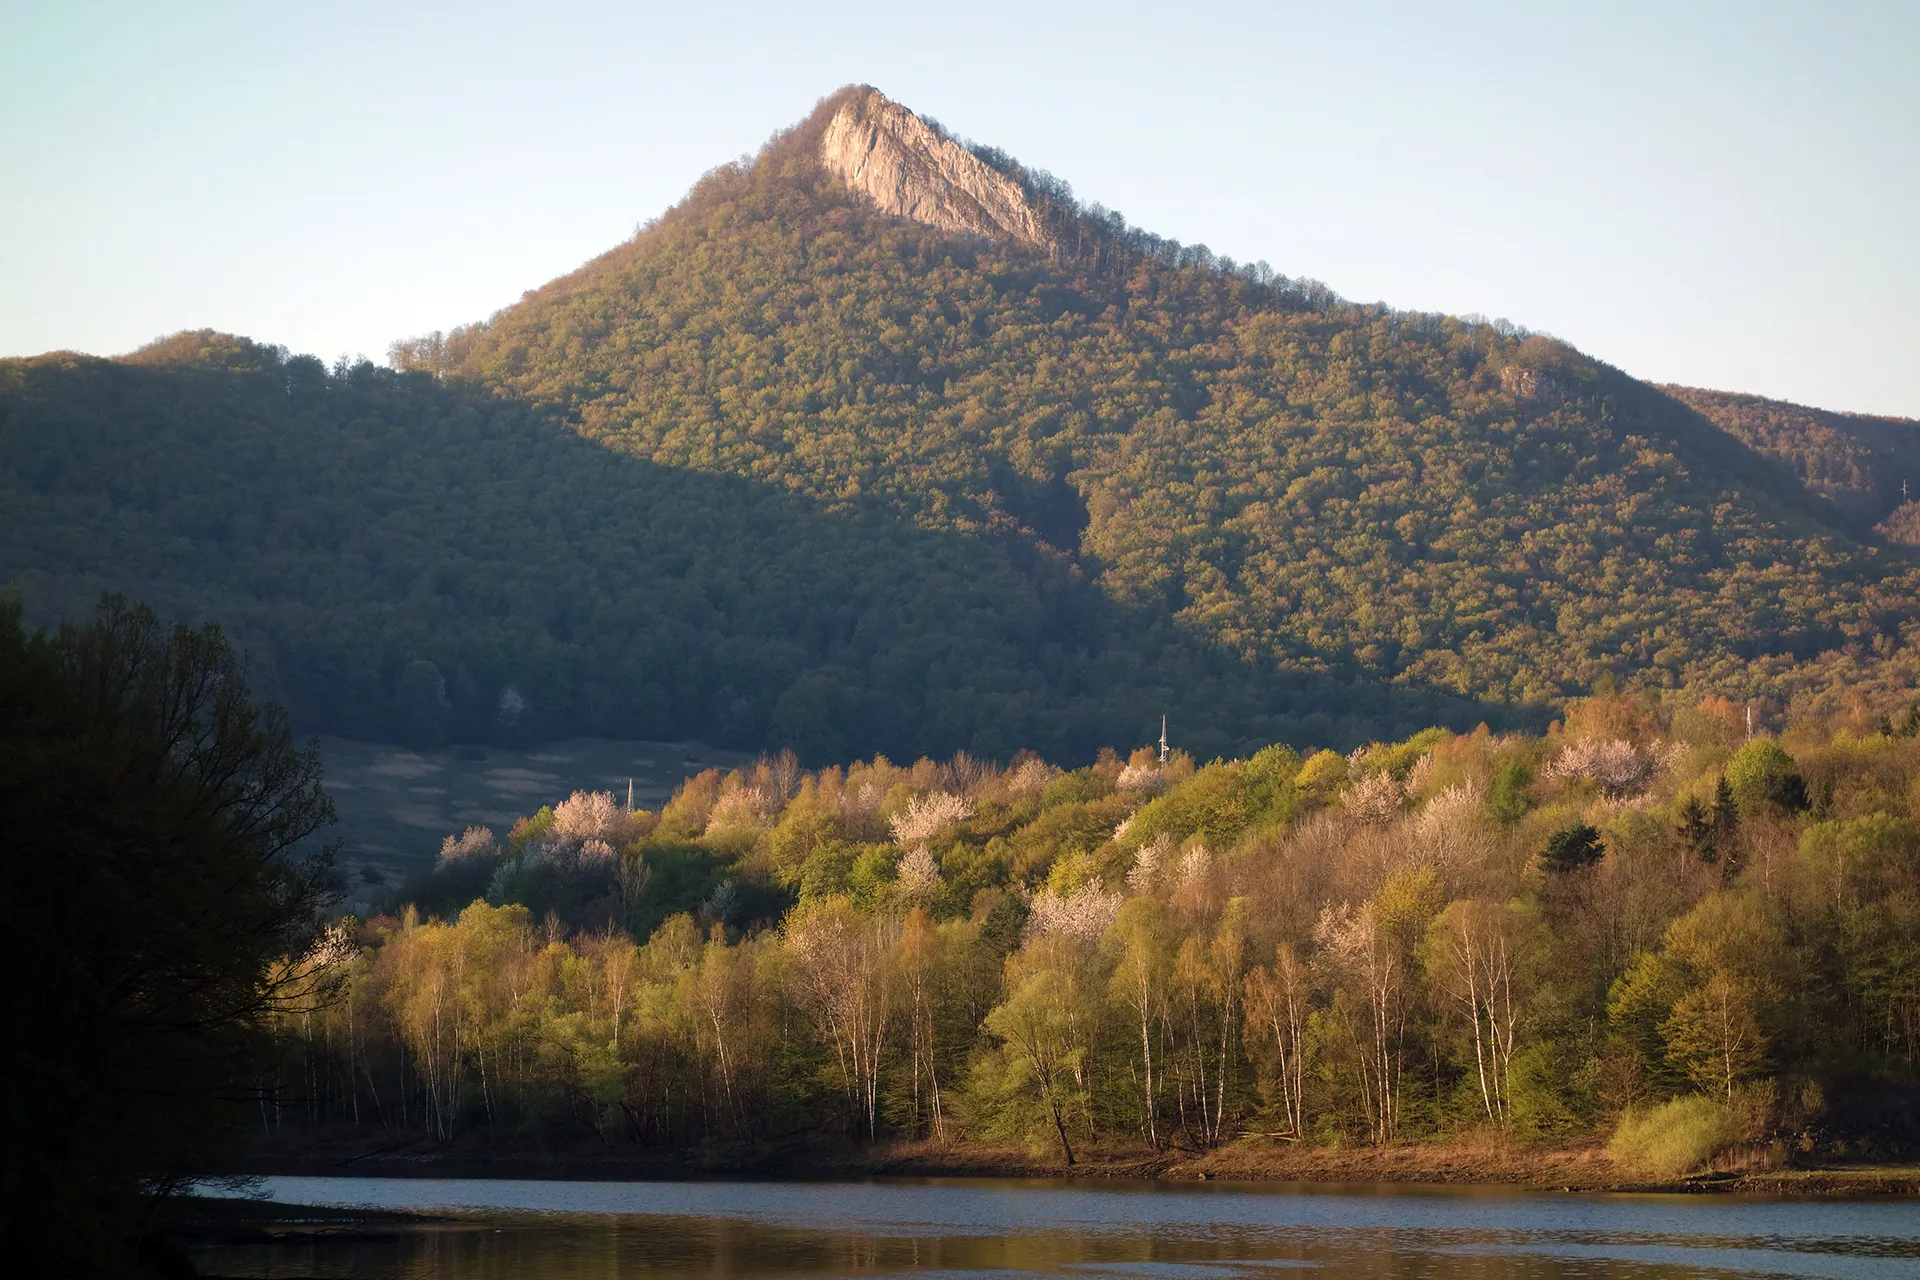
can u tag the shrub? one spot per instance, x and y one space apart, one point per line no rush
1541 1088
1674 1139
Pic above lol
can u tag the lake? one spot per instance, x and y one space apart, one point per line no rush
985 1229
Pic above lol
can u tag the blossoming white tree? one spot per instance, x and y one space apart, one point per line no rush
927 816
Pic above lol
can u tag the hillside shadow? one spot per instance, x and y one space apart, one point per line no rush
421 562
1703 442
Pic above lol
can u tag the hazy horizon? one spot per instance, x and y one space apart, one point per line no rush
1713 195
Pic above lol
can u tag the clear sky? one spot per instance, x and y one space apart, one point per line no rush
1726 195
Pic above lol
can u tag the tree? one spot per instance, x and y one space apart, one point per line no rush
1371 949
1139 939
1764 777
722 993
1279 999
844 975
1714 1035
1227 966
1478 953
160 872
919 963
421 699
1723 826
1040 1024
692 587
1572 848
1695 829
1730 968
428 1005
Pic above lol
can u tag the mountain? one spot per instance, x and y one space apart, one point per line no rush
883 441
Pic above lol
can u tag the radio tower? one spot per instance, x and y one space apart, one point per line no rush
1163 739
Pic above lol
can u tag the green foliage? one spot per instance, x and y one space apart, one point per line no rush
1081 786
828 870
534 827
1017 972
1544 1104
1509 801
1862 858
1320 776
1852 460
1213 804
1397 758
429 562
684 878
1674 1139
1042 1051
1572 848
1762 775
1061 829
872 874
1269 782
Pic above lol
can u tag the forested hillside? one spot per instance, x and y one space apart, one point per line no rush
426 562
1868 467
1644 924
789 470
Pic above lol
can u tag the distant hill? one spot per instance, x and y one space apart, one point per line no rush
1866 466
884 442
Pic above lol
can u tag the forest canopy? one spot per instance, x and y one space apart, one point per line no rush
1647 923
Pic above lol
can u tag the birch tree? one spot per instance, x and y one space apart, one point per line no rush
843 973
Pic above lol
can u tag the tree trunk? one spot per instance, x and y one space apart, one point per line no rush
1060 1127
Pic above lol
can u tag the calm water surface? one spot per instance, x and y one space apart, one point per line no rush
981 1229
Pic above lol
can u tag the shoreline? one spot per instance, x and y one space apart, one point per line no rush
1578 1169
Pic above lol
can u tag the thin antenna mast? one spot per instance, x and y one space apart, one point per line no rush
1163 739
629 795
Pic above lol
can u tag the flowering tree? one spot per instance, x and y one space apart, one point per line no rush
592 815
1619 770
1376 798
1082 915
927 816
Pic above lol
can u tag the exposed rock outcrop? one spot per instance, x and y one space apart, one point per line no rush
884 151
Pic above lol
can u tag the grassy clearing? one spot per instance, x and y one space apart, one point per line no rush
396 804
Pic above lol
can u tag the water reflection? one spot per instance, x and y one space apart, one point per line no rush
980 1230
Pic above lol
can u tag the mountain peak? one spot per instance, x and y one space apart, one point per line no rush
911 169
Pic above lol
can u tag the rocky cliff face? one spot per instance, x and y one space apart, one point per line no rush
890 155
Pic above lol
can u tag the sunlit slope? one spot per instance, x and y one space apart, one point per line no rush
1325 487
